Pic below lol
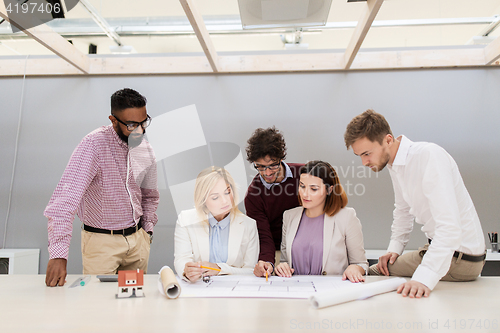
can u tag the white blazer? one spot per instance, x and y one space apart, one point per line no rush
342 240
192 243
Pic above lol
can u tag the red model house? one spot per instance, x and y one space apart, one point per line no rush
130 283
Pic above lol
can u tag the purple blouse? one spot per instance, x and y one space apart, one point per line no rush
307 247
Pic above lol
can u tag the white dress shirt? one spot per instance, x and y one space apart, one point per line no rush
429 190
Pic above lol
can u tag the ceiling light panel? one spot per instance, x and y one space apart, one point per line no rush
268 14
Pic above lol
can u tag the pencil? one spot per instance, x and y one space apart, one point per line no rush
266 276
214 269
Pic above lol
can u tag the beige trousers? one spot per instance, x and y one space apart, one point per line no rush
406 264
107 254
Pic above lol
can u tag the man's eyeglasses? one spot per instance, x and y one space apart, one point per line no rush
133 125
272 167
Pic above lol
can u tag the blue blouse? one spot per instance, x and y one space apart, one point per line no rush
219 238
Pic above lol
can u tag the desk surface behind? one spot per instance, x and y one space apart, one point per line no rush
28 306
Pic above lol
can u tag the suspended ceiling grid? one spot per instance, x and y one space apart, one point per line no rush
401 34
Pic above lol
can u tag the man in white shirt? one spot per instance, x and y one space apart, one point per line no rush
429 190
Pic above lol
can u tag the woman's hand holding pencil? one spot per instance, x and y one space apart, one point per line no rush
193 271
210 268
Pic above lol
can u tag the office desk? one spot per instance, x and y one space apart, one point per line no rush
26 305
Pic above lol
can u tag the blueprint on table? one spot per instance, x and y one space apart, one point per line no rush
301 286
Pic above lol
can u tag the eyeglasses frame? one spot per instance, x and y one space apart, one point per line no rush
135 124
272 167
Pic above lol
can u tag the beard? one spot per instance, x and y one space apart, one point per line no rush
382 165
133 139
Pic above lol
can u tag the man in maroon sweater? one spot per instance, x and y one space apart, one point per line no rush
272 191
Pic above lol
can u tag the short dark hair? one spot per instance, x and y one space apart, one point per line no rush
126 98
370 125
337 199
266 142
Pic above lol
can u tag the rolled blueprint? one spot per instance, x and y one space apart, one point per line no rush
355 292
167 283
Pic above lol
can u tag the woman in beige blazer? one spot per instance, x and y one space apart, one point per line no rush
215 234
322 236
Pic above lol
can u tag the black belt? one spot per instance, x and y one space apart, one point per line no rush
124 232
465 256
469 257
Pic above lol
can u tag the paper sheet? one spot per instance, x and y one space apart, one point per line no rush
348 294
167 283
301 286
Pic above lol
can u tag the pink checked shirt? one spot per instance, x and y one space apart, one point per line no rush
108 186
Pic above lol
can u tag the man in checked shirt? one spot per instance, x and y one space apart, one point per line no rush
110 183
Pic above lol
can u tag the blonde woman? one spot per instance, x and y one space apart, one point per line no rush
322 236
215 234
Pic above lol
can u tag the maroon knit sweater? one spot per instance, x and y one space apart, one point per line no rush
267 207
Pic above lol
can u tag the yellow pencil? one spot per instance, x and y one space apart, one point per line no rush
214 269
266 276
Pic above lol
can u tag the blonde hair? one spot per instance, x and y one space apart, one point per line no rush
205 182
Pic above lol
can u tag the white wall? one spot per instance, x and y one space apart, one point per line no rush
457 109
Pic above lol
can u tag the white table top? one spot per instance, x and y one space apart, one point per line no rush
28 306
